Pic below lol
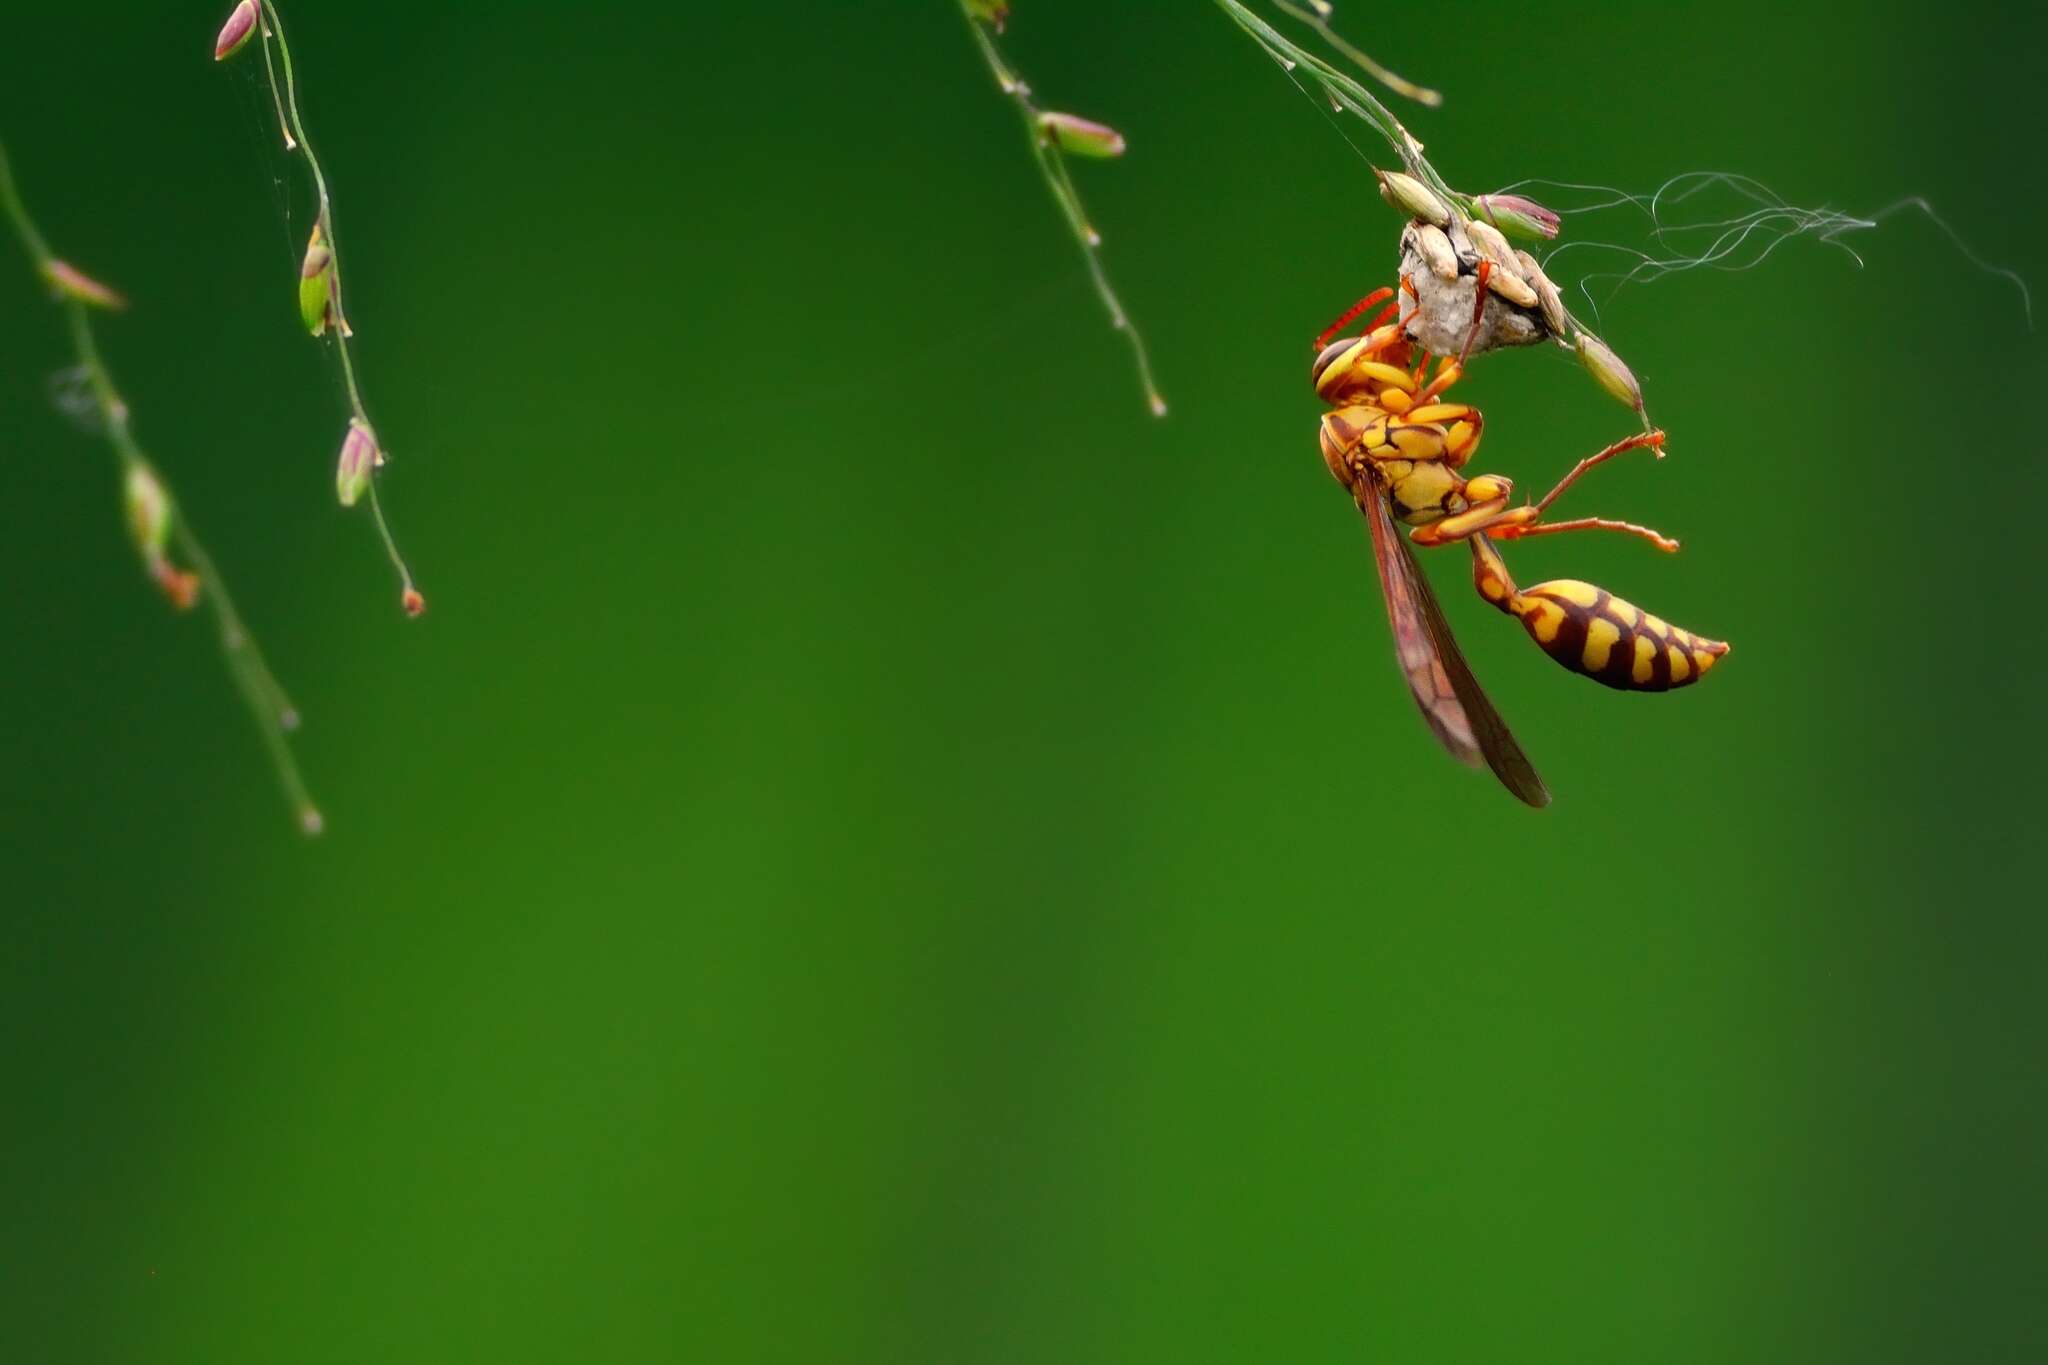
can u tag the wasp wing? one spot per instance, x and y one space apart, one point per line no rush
1452 703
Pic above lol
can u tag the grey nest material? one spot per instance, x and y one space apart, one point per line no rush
1443 265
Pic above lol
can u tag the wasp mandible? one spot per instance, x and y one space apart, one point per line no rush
1393 442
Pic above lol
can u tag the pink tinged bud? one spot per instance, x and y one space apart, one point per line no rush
414 601
1605 366
1413 198
238 30
1081 137
994 13
70 282
1518 217
316 285
359 460
179 587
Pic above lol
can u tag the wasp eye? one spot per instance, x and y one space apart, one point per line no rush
1329 355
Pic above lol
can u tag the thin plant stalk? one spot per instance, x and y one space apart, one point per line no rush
269 707
1052 164
1342 90
1317 16
283 81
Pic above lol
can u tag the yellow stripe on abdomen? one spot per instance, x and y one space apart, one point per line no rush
1611 641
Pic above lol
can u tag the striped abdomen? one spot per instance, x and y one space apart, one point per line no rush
1593 632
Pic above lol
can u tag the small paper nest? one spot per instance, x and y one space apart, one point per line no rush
1522 305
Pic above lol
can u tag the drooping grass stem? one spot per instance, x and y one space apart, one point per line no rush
269 707
1343 90
1317 17
1052 164
284 90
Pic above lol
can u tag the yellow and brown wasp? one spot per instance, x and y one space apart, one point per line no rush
1393 442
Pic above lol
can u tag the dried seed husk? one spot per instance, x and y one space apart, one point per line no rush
1606 367
1504 279
1435 249
1512 287
1491 244
1547 296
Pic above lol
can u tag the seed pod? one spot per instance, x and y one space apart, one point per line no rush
1505 278
69 282
237 31
1435 249
359 460
1512 287
994 13
1081 137
1491 244
316 285
150 514
1606 367
1552 302
149 511
1518 217
1413 198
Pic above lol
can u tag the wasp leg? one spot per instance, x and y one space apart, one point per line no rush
1526 521
1354 312
1448 372
1647 440
1479 517
1489 514
1523 530
1478 309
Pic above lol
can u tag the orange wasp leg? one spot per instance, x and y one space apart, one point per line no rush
1523 530
1651 440
1448 372
1480 517
1478 310
1489 511
1523 521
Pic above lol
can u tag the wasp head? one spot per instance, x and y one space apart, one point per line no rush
1356 369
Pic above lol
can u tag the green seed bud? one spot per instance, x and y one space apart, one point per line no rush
1413 198
1081 137
1518 217
1606 367
149 512
316 285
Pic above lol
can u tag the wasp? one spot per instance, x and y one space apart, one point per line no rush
1400 449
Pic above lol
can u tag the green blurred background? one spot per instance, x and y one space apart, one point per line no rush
884 852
